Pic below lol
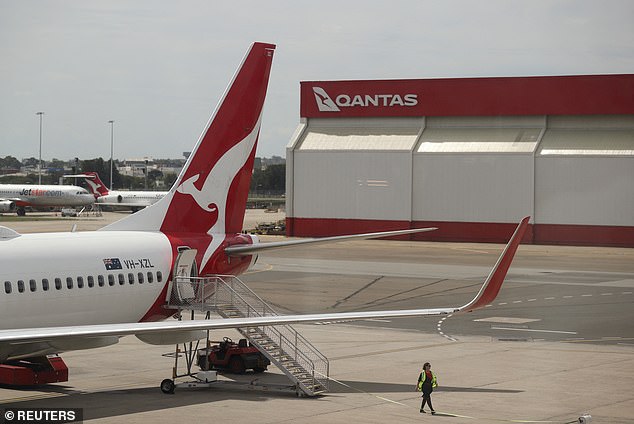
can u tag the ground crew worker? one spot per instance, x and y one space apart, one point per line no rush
426 384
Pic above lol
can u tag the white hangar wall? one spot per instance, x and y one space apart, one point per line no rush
475 169
353 170
585 178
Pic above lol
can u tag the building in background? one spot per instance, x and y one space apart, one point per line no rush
471 156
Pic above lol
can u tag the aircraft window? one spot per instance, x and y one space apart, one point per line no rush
121 279
131 278
159 276
7 287
45 284
80 282
140 275
91 281
111 279
100 280
32 285
150 277
21 286
69 282
58 283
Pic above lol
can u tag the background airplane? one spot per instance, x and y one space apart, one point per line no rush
134 200
15 197
94 287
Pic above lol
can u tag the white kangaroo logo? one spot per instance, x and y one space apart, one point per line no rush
213 195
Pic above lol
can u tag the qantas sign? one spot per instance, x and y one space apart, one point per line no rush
325 103
359 98
499 96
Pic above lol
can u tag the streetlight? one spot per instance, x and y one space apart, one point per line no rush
111 145
39 171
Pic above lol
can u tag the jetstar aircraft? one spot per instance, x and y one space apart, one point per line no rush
15 197
135 200
70 291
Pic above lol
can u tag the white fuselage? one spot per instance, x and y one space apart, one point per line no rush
65 279
46 195
131 198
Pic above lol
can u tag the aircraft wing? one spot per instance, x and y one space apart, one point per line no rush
486 295
245 250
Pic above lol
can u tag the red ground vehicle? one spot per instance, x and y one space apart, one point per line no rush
233 357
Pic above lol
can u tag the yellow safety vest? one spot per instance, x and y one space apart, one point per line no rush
421 379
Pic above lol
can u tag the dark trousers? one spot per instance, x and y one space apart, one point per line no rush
426 399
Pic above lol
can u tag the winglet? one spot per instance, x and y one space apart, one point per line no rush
493 283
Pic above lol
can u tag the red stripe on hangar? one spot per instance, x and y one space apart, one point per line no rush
552 95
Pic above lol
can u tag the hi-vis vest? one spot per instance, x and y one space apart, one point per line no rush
421 380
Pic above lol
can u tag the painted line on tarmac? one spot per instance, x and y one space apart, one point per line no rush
534 330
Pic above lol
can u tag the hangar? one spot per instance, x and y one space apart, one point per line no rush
388 154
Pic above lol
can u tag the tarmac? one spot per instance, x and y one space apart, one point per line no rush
485 375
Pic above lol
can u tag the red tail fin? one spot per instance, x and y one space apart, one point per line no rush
95 185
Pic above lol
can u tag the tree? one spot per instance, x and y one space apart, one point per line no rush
102 168
31 161
9 162
272 179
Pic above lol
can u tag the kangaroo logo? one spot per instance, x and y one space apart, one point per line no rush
212 197
94 187
324 102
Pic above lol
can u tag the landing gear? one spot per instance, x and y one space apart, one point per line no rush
21 211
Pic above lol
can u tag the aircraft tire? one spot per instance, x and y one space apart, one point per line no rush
167 386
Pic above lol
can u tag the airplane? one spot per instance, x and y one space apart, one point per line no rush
15 197
135 200
92 288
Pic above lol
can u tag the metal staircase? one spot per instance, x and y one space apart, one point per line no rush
229 297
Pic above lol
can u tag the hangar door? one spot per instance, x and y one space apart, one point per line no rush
348 171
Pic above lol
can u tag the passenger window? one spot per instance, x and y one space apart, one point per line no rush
131 278
159 276
100 280
69 282
7 287
111 279
150 277
91 281
32 285
121 279
21 286
80 282
44 284
58 284
140 275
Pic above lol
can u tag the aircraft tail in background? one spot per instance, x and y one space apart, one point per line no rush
95 185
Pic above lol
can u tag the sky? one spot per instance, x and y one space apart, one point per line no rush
158 68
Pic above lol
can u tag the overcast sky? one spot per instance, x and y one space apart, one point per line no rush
158 68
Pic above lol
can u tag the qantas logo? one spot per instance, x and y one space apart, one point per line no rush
212 197
326 104
94 187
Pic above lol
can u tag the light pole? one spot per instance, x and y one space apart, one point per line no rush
39 166
111 148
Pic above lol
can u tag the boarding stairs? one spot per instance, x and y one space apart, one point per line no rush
284 346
